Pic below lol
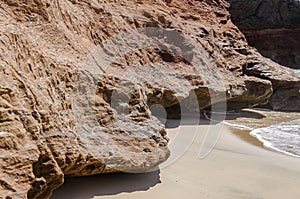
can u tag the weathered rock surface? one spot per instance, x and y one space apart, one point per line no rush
273 27
265 14
280 45
74 102
285 87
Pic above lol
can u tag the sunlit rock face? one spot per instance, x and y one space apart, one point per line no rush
79 78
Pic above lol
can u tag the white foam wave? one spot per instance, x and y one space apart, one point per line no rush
269 144
238 126
282 137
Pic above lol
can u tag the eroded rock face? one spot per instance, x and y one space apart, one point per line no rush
72 104
265 14
285 84
273 28
280 45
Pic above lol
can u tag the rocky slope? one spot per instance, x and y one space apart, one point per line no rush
78 79
273 27
265 14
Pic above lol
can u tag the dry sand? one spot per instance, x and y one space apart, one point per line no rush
235 169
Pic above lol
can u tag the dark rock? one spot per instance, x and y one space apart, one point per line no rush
265 14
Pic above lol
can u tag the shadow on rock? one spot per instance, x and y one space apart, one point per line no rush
244 114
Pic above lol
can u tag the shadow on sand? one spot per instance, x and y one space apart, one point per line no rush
106 184
112 184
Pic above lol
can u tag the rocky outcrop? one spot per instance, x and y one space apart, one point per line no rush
280 45
265 14
285 85
78 79
273 28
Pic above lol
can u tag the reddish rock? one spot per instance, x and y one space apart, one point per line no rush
69 109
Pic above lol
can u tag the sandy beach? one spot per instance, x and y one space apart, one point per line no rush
238 167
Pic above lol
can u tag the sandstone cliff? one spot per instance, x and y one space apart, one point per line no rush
69 109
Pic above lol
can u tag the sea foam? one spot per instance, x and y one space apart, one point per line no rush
283 137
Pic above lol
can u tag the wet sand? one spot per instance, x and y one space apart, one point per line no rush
235 169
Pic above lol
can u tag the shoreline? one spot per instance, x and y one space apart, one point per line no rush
234 169
245 136
259 120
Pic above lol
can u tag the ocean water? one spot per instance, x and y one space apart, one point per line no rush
278 131
283 137
297 71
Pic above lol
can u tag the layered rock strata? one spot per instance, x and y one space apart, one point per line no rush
273 27
78 79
